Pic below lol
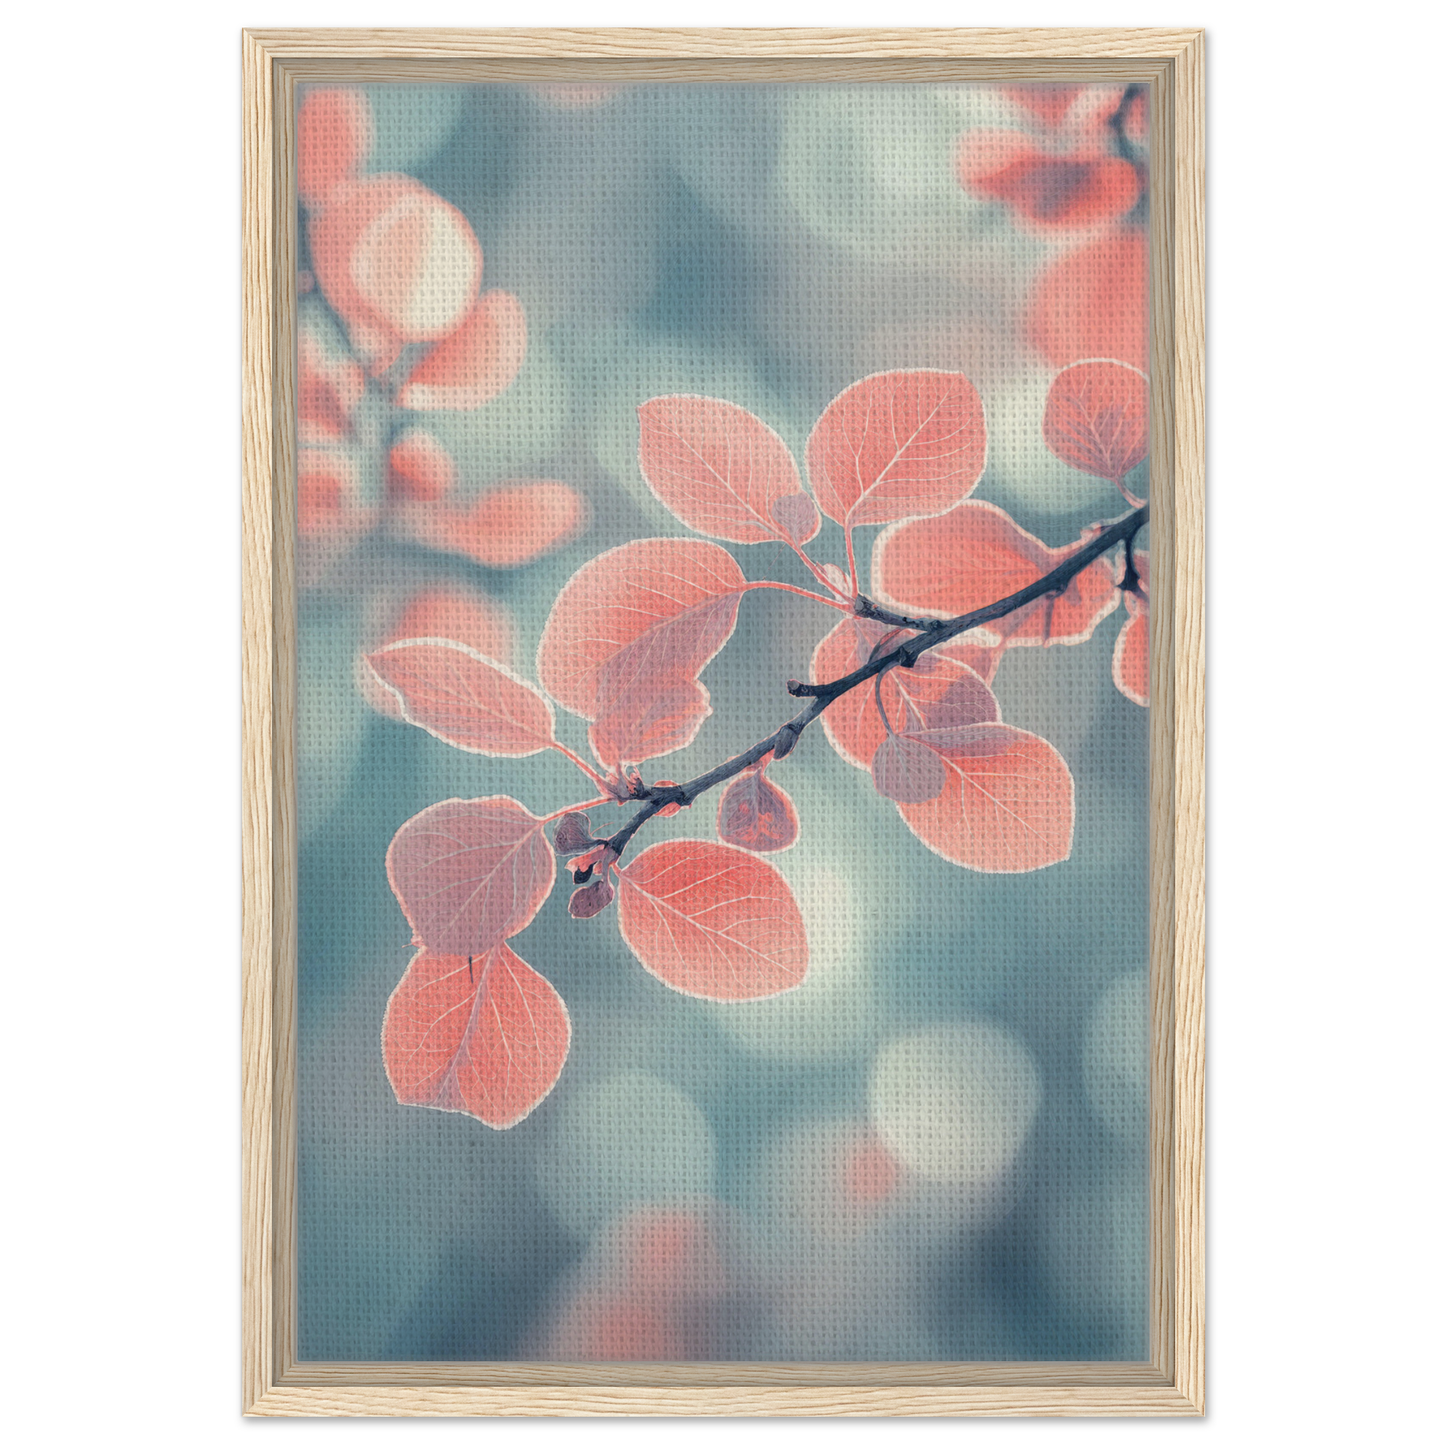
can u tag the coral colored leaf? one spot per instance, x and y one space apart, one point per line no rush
651 717
712 921
1131 648
420 468
756 814
470 872
1097 418
1046 192
964 703
465 699
509 526
797 517
898 444
628 636
1009 811
588 902
484 1035
573 835
455 614
906 770
977 555
723 472
1049 101
333 138
1094 302
853 724
477 362
396 262
967 740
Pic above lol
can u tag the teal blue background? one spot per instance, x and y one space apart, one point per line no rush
768 246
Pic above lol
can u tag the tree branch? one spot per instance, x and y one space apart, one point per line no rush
930 633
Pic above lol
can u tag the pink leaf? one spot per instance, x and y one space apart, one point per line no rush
1095 302
457 614
1010 811
628 636
649 718
420 468
465 699
978 554
971 740
333 138
907 771
588 902
1097 418
485 1035
721 470
477 362
1049 101
509 526
963 703
470 872
756 814
797 517
899 444
573 835
712 921
853 724
396 262
1131 648
1047 193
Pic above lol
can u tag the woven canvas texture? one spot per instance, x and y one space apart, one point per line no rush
848 1059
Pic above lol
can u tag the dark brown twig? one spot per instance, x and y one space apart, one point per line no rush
928 633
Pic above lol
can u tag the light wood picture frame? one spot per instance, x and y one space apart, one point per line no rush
1171 1382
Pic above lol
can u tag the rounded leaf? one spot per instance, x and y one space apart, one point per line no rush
470 872
1097 418
1095 302
396 262
484 1035
977 555
712 921
1010 811
852 723
508 526
478 361
465 699
333 138
906 771
420 469
589 901
721 470
573 835
755 813
895 445
628 636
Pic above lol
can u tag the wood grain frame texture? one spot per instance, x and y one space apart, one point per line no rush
1171 1382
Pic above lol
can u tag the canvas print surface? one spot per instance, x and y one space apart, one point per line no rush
722 742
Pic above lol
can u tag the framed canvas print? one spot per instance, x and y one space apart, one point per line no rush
724 704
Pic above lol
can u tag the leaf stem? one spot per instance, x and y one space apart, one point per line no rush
591 772
801 592
817 571
821 695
